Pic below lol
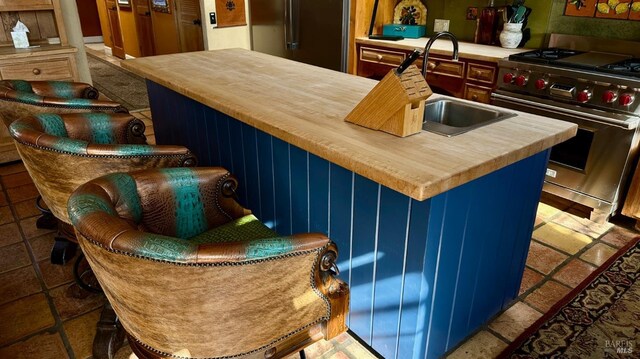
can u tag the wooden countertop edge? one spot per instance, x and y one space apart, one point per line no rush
420 189
462 52
41 51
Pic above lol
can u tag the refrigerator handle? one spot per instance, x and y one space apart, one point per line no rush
291 22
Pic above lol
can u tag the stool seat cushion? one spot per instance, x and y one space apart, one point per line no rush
247 228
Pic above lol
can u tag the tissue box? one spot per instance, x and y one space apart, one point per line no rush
20 39
409 31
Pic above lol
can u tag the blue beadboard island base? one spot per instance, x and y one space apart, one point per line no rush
423 274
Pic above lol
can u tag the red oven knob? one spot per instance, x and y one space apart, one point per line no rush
541 84
626 99
584 96
522 80
508 78
609 96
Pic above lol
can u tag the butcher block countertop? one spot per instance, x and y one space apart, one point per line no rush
305 106
445 47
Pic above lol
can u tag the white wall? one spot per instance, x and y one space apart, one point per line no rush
226 37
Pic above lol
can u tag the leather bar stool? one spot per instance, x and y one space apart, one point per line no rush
192 274
24 98
64 151
21 99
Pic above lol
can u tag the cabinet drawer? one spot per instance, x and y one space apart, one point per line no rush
385 57
55 69
481 73
445 67
477 93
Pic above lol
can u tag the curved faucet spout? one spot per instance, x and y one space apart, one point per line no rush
433 39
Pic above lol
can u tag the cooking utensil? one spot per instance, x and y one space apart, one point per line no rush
518 17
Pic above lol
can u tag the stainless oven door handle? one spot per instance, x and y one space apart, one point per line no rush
564 111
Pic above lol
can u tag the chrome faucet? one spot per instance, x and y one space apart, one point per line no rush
427 48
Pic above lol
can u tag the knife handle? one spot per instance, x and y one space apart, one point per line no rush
408 61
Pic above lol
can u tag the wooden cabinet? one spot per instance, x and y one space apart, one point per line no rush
39 66
466 78
41 62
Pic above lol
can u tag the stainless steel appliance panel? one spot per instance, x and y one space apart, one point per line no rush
309 31
594 163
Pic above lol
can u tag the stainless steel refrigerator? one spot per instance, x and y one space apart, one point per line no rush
309 31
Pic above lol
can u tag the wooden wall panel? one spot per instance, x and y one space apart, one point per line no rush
47 24
41 24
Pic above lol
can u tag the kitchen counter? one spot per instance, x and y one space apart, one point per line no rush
444 47
305 106
433 231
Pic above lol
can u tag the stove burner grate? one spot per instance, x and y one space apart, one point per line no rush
544 55
630 67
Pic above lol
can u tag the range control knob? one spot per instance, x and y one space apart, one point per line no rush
508 78
541 84
626 99
584 96
522 80
609 96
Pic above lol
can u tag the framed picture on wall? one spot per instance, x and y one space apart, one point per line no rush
124 3
161 6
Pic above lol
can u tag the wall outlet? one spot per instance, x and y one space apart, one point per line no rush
440 25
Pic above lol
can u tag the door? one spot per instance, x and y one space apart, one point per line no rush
144 27
189 25
117 44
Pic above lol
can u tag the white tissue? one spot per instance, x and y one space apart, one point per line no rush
19 36
20 27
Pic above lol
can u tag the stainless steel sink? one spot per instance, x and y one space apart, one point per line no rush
450 118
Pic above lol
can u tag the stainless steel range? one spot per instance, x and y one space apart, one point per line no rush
576 81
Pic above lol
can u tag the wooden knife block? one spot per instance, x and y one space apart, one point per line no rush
395 105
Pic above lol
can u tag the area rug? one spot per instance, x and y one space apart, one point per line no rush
599 319
118 84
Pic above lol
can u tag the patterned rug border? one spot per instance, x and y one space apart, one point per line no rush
566 300
132 74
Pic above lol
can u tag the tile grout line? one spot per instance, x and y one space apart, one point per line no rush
58 324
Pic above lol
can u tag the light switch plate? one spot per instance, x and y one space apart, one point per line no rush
212 19
440 25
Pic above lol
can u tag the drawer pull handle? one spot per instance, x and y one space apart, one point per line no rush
379 57
36 71
477 74
474 98
432 65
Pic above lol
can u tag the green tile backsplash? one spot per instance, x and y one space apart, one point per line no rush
546 17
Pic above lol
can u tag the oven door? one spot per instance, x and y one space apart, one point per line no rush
589 168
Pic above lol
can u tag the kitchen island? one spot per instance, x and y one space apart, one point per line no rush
433 231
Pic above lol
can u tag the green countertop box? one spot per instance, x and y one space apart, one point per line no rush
408 31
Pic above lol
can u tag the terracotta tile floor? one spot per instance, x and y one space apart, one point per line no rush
43 312
45 315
